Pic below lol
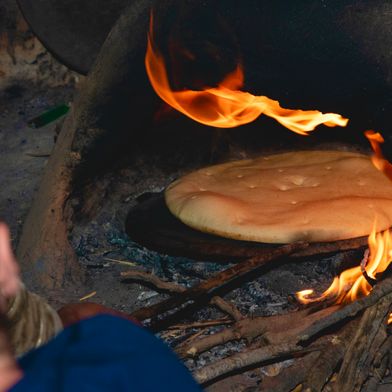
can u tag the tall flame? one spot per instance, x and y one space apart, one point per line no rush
352 284
226 106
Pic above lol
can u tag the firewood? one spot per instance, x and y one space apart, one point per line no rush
381 290
201 324
332 247
219 280
357 343
273 329
159 284
149 278
248 358
369 337
325 365
290 377
227 307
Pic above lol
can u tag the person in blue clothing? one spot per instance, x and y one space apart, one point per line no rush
97 354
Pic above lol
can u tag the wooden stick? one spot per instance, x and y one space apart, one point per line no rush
158 283
227 307
290 377
274 329
327 363
195 335
250 357
201 324
332 247
288 343
217 281
369 337
383 289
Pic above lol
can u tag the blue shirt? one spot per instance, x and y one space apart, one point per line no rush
104 353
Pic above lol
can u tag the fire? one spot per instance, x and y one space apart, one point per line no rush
226 106
352 283
375 139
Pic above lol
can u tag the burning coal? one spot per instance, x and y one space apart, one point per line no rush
226 106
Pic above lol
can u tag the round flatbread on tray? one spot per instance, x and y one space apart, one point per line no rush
297 196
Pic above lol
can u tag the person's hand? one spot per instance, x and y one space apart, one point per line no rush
10 373
9 269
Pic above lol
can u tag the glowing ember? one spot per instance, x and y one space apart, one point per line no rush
226 106
352 284
389 319
378 159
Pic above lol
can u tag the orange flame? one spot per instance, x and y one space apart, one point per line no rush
226 106
375 139
352 284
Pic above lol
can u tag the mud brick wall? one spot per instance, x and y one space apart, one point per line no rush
22 56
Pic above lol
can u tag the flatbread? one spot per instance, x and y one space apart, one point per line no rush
298 196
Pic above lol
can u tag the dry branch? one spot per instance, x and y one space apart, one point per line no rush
383 289
290 377
332 247
159 284
273 329
149 278
201 324
369 337
249 358
362 347
227 307
217 281
324 367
